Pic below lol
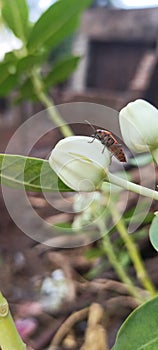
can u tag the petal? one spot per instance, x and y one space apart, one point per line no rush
79 164
139 125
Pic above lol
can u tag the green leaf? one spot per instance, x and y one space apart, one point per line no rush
4 72
139 217
93 253
66 225
28 62
8 84
26 91
53 23
61 71
153 233
15 14
33 174
8 74
140 330
11 57
62 34
96 271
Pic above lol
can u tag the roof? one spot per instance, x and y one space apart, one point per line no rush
111 24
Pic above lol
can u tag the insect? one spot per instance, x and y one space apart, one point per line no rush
108 140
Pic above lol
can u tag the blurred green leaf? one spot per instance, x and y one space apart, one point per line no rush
139 234
139 215
8 84
53 23
137 218
26 91
61 71
64 32
153 233
4 72
63 49
63 225
15 14
11 57
33 174
96 271
124 259
8 76
28 62
93 253
140 331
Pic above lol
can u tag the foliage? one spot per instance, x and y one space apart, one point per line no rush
23 70
31 174
140 331
38 40
153 232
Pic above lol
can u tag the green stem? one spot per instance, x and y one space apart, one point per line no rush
9 337
108 248
133 252
131 186
49 104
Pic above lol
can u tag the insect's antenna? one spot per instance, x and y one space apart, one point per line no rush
90 125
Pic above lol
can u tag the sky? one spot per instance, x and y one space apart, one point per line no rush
46 3
37 7
138 3
43 4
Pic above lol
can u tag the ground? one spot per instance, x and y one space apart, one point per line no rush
25 264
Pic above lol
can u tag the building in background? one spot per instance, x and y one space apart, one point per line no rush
119 50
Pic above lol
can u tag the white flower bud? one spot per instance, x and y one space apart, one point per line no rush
81 165
139 126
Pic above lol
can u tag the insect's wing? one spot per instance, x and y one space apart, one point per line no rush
118 152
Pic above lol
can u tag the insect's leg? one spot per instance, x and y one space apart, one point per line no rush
104 148
93 138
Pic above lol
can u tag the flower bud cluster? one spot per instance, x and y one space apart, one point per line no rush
82 165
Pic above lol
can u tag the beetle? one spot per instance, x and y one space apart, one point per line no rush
108 140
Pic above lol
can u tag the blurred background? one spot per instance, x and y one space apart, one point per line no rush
117 42
115 45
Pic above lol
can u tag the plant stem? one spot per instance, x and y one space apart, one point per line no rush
108 248
9 337
133 252
131 186
49 104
